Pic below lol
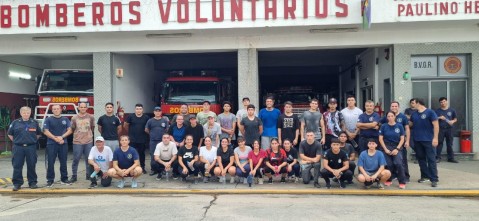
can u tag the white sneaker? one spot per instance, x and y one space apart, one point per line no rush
134 184
260 181
222 179
121 183
245 181
296 180
232 180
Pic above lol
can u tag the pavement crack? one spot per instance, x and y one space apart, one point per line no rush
215 197
13 207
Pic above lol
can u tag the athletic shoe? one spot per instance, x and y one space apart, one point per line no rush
205 180
134 184
245 181
241 179
33 186
317 185
388 183
158 177
423 180
50 184
434 184
452 161
73 179
222 179
402 186
152 173
232 180
260 181
342 184
175 176
93 185
16 187
121 183
350 182
380 186
183 179
335 179
328 185
283 180
270 181
296 180
144 171
66 182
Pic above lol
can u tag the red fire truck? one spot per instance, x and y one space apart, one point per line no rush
193 90
65 87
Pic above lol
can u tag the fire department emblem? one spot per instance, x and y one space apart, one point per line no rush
452 65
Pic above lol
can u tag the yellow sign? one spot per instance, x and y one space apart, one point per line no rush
191 110
65 99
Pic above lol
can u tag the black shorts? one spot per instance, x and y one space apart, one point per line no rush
269 170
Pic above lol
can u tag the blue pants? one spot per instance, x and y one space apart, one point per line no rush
20 154
445 133
426 156
78 151
405 163
395 163
53 151
295 171
240 173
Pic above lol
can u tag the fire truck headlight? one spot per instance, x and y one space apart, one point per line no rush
47 99
83 99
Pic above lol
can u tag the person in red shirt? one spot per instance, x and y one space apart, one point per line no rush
256 158
276 162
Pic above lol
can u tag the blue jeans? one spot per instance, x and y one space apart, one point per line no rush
395 163
78 151
445 133
53 151
20 154
240 173
426 156
295 171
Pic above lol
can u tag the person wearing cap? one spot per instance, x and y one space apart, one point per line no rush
83 125
242 113
24 133
333 122
156 127
336 164
227 122
109 127
212 130
312 120
100 160
269 116
184 113
195 130
368 125
372 165
135 125
177 132
202 116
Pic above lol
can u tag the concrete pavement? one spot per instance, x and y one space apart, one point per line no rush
455 180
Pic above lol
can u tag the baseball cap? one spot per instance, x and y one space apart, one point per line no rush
333 100
157 108
99 138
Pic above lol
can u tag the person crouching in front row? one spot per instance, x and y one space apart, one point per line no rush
126 163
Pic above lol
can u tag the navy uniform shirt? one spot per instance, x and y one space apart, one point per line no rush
365 118
24 132
400 118
449 114
392 134
157 127
56 126
422 122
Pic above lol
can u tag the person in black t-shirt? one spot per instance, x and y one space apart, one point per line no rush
292 160
225 160
276 162
196 131
350 152
336 164
188 159
288 125
109 127
135 125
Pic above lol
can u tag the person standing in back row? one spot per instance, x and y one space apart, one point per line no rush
135 125
242 113
156 127
368 124
333 122
351 115
203 115
425 135
83 125
288 125
312 120
447 118
251 127
269 116
109 127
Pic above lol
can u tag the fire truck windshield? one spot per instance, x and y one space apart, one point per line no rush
296 97
67 81
190 92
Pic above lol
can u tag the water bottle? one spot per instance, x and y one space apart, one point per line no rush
93 175
191 166
167 174
224 180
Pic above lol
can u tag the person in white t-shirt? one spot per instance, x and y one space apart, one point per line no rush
100 161
351 114
165 158
207 159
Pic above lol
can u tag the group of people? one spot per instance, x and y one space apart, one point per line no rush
267 144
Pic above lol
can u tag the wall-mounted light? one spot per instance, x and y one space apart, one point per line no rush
14 74
405 76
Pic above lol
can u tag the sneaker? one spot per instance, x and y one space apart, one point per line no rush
342 184
73 179
270 181
283 180
158 177
423 180
296 180
66 182
50 184
205 180
452 161
260 181
245 181
232 180
143 170
350 182
175 176
388 183
328 185
317 185
33 186
335 180
402 186
222 179
16 187
134 183
121 183
380 186
93 185
241 179
183 179
152 173
433 184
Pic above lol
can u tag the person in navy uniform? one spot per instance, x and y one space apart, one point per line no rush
24 132
57 128
447 118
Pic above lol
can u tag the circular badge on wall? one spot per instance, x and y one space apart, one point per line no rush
452 65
